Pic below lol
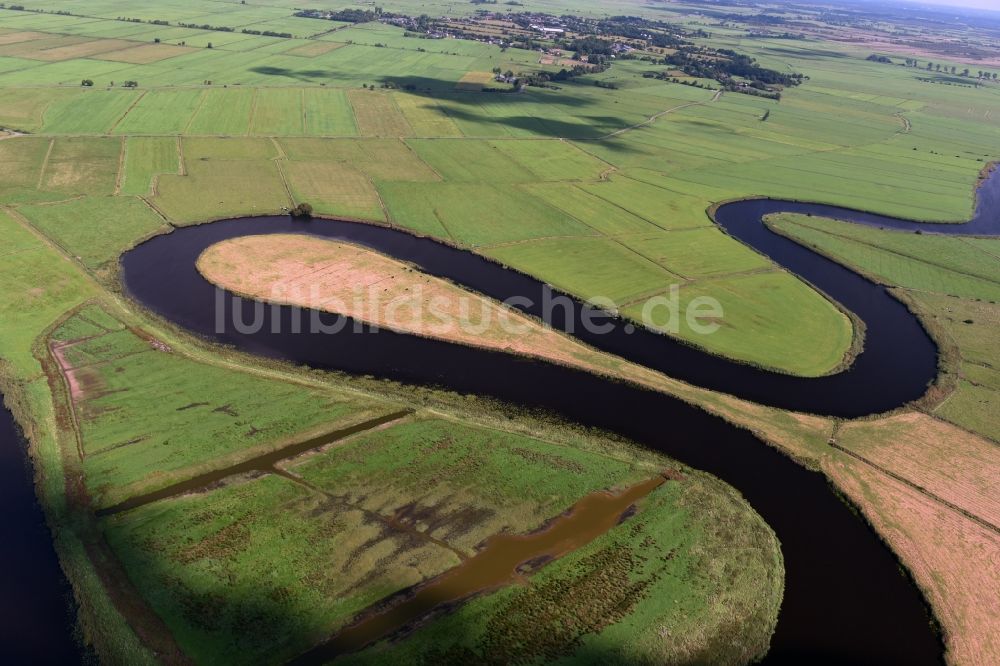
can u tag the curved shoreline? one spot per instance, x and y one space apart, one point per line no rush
831 555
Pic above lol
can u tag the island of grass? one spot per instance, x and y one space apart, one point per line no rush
370 287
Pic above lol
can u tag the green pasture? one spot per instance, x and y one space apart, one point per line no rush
474 214
295 564
149 418
507 482
145 159
956 285
586 266
214 189
599 191
40 286
768 318
96 230
925 262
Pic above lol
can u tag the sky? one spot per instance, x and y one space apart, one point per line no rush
979 4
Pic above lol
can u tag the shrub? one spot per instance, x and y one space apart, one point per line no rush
302 210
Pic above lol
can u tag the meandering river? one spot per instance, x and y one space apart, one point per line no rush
845 598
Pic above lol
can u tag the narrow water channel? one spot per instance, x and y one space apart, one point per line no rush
36 608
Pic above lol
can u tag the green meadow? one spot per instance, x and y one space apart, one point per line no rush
600 185
955 283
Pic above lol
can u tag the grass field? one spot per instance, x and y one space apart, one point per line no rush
277 113
939 264
376 114
161 112
225 112
601 190
130 422
474 214
145 159
96 230
754 307
222 188
608 598
78 166
334 189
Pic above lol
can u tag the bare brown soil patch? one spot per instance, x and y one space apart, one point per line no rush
953 559
315 49
474 81
18 37
947 461
145 54
370 287
84 50
31 48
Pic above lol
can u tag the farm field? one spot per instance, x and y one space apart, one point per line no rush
145 159
209 505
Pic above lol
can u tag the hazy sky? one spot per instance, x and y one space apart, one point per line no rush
980 4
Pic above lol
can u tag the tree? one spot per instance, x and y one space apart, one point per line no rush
302 210
209 45
156 40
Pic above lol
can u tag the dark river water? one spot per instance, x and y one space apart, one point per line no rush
36 619
845 601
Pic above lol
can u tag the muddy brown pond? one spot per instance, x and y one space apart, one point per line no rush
496 564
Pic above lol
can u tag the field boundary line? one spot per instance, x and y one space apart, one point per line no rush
920 489
648 121
378 195
523 241
201 102
19 217
45 164
262 462
284 180
281 155
603 235
181 164
420 159
966 240
302 110
158 213
122 156
131 106
952 424
534 434
437 216
636 215
253 112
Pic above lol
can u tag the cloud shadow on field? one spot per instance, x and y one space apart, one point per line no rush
306 75
466 106
463 105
